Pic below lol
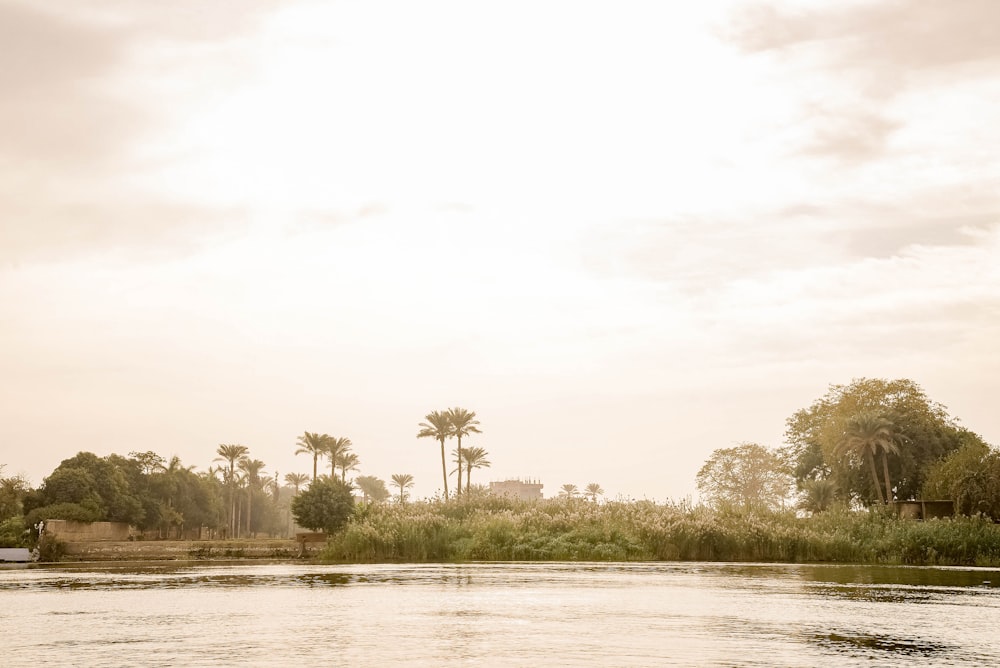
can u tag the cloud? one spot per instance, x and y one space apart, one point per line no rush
901 34
853 62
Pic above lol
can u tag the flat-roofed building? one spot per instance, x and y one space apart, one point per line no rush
526 490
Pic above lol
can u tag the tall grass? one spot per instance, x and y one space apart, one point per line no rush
501 529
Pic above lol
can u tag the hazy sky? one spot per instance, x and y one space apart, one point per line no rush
624 233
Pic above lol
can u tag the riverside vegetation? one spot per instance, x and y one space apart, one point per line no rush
824 497
493 528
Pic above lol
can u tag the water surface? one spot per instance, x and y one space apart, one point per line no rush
538 614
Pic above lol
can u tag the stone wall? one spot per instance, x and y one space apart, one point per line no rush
90 532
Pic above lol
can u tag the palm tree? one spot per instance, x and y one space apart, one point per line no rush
593 490
439 427
230 453
818 495
372 488
335 447
471 458
569 491
347 461
866 434
314 444
404 481
463 423
296 480
252 468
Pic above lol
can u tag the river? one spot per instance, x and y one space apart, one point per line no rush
513 614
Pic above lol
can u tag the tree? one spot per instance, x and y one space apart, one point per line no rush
336 447
347 461
326 505
470 458
231 453
438 426
970 476
296 480
463 423
88 486
866 434
748 476
568 491
814 433
818 495
311 443
12 492
593 490
372 488
404 481
252 469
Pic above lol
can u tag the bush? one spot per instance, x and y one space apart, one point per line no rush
325 506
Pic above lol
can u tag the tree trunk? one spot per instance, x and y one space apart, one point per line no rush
459 490
315 462
249 509
444 470
468 479
885 471
871 465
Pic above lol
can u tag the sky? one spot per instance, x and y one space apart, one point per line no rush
624 233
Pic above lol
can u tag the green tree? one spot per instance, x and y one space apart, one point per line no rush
865 435
569 491
372 488
439 427
813 434
404 481
593 490
970 476
326 505
12 492
463 423
818 495
311 443
748 476
252 470
88 486
470 458
296 480
231 453
336 447
347 461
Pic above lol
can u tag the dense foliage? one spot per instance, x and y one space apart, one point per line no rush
326 506
500 529
922 434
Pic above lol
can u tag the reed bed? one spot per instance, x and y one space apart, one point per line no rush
501 529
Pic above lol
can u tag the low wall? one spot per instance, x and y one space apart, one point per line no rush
156 550
68 531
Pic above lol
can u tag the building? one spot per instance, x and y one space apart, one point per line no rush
526 490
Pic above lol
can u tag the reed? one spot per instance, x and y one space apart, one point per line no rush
501 529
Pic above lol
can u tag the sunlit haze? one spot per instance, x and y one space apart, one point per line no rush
625 234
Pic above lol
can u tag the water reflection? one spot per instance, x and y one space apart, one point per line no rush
516 613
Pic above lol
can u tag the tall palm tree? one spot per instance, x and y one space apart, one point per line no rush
230 453
296 480
347 461
439 427
311 443
866 434
252 470
335 447
568 491
463 423
404 481
471 458
372 488
593 490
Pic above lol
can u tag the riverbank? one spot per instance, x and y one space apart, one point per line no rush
197 550
500 529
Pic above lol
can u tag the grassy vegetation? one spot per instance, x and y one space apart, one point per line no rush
499 529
